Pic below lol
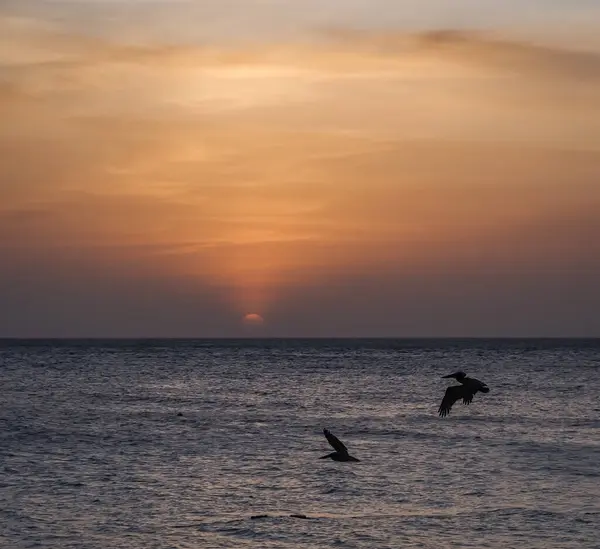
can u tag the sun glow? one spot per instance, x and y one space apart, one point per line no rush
253 319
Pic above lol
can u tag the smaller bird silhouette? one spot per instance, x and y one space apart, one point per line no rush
341 452
466 390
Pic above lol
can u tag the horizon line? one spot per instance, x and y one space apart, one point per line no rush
273 338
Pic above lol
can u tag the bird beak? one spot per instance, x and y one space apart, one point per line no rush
449 375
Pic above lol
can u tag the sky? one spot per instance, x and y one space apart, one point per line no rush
332 168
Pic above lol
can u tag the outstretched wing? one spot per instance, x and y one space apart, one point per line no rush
467 396
335 442
452 394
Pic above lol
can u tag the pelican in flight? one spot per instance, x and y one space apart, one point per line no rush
466 390
341 452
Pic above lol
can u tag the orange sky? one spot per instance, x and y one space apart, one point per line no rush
358 183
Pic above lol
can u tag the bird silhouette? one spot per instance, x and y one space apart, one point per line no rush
341 452
466 390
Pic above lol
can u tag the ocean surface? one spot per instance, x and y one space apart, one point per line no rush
215 444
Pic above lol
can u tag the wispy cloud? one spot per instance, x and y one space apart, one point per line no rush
355 158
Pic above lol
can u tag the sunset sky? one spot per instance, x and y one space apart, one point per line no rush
334 167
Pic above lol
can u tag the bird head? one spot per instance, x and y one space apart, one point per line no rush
456 375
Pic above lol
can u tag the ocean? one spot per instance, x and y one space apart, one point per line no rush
176 444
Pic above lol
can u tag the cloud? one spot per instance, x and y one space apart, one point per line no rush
329 178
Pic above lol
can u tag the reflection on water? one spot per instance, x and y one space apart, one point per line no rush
216 444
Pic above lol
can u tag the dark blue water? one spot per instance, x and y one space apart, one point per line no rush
93 453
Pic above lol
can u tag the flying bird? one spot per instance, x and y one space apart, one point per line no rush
341 452
466 390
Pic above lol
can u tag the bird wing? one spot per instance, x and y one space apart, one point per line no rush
468 396
474 385
481 386
335 442
452 394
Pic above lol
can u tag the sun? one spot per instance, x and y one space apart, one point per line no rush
253 319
